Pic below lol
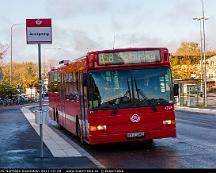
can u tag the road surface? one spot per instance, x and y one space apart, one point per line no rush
194 147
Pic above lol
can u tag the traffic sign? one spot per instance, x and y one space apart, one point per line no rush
38 31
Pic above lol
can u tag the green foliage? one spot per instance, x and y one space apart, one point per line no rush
6 90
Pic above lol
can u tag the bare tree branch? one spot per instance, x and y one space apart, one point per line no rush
3 50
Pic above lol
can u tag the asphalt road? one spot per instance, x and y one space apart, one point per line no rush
194 147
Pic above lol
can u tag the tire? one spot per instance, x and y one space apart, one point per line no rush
149 141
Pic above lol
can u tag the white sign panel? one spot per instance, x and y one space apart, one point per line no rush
38 31
39 34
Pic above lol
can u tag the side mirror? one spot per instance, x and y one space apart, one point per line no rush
85 79
176 89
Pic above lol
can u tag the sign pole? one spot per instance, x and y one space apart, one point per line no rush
40 95
39 31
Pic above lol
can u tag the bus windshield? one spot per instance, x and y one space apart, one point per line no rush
129 88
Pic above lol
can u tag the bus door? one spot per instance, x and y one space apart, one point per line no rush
83 105
62 102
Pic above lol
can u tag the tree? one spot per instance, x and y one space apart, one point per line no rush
25 74
188 49
186 60
3 50
6 90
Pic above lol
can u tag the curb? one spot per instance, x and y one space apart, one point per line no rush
199 110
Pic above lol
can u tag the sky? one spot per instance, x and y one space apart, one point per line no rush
80 26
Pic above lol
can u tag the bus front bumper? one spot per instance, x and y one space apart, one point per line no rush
123 137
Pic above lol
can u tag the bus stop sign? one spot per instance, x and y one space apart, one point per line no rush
38 31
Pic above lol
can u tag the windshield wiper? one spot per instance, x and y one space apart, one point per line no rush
151 104
139 91
129 90
114 109
132 88
163 101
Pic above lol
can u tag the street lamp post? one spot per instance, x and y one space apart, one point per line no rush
11 40
204 55
203 51
201 48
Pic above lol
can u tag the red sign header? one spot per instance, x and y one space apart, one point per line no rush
38 23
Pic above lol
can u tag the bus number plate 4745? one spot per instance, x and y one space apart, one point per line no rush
135 135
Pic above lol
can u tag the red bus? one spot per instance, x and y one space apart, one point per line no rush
115 95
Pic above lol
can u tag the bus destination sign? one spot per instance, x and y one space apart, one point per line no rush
129 57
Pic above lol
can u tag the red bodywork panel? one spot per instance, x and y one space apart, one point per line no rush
119 125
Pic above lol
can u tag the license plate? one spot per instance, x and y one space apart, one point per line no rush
135 135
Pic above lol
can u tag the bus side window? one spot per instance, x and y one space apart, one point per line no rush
70 95
62 84
74 94
67 86
93 94
59 82
76 88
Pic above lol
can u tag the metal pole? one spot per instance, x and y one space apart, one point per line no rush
11 34
41 136
201 58
204 55
11 52
40 76
40 95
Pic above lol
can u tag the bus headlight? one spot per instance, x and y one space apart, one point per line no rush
99 128
169 122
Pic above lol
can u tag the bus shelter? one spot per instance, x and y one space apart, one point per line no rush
190 93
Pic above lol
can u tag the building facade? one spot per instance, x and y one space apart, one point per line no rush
211 72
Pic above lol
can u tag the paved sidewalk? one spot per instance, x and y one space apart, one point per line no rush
207 110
